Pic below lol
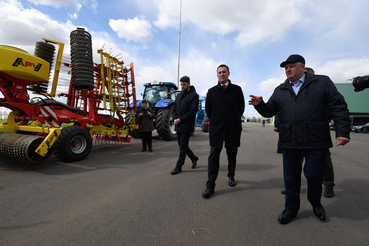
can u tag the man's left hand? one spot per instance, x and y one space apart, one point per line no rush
177 121
342 141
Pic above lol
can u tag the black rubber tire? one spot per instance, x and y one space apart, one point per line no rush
165 124
73 144
365 130
82 60
204 126
46 52
134 132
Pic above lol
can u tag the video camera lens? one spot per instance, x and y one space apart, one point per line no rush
360 83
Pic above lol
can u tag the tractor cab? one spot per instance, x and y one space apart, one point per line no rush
157 91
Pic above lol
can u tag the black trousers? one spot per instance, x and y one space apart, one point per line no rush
314 170
183 139
328 179
146 140
213 164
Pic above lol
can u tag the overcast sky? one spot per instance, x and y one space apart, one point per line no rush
251 36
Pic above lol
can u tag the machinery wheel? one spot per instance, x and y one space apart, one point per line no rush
165 124
134 132
365 130
81 59
44 51
21 147
73 144
204 126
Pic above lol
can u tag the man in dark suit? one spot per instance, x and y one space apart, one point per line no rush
224 106
184 112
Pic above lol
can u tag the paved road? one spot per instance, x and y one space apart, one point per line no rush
120 196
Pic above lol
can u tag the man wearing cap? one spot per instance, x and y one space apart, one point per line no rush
301 103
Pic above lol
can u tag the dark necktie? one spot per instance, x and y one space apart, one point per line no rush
224 87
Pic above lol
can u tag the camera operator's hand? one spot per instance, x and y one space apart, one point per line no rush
342 141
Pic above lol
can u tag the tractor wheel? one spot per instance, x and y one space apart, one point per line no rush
165 124
73 144
134 132
365 130
204 126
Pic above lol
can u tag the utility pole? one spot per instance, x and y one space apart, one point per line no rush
179 41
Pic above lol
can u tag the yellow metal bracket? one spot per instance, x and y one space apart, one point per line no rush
57 65
48 142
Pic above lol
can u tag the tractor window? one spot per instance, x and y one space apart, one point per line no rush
172 91
155 93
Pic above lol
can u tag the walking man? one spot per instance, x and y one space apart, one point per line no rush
184 112
301 103
224 106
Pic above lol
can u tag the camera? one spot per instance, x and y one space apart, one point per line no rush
360 83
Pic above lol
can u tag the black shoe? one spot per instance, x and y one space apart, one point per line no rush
143 150
328 192
319 212
283 192
150 150
194 162
232 182
207 193
285 217
176 170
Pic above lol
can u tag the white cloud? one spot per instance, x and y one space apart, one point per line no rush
252 21
267 87
73 16
342 70
75 4
66 3
137 30
201 69
31 27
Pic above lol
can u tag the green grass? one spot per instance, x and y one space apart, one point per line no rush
2 121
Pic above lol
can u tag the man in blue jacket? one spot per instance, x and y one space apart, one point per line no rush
184 113
302 103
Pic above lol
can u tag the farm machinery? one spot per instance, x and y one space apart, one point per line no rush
161 97
93 107
202 119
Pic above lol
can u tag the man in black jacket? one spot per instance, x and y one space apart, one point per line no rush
184 112
224 106
301 103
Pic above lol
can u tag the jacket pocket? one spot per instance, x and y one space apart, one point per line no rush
317 131
285 133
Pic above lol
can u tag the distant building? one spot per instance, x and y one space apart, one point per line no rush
357 102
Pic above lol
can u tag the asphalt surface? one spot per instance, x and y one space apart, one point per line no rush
120 196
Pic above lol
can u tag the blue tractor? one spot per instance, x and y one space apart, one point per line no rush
202 119
161 97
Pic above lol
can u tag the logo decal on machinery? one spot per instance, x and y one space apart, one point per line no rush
51 118
19 62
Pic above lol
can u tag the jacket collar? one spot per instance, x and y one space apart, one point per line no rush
309 78
229 83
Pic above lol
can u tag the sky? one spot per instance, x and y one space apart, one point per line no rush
251 36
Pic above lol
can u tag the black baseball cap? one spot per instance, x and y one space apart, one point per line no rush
293 59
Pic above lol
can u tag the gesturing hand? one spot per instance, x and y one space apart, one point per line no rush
255 100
